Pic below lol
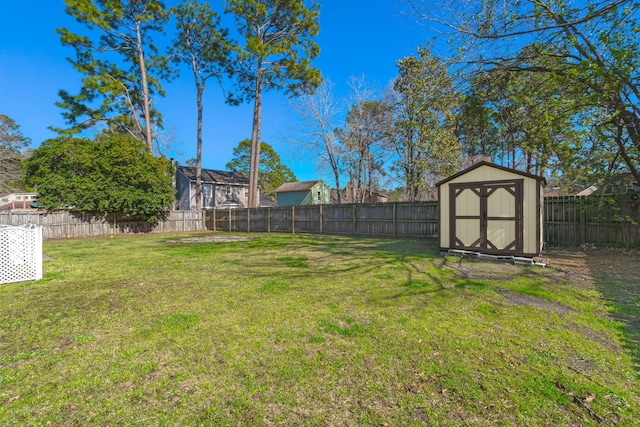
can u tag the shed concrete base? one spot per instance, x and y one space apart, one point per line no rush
497 258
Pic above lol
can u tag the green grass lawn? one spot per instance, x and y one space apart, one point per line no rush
304 330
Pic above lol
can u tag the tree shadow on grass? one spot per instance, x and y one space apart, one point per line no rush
623 296
616 276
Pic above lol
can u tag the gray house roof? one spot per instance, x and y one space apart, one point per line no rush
266 202
291 187
215 176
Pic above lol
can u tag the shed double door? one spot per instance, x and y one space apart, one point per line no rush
487 216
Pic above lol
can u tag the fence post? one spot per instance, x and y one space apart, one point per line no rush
583 223
229 218
248 220
269 220
353 222
320 219
293 220
395 204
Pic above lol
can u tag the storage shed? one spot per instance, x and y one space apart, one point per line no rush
491 209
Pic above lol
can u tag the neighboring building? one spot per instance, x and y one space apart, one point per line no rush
587 191
615 185
347 196
350 195
220 189
17 201
556 192
562 192
266 202
491 209
303 193
619 184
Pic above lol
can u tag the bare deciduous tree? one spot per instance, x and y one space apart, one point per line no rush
12 144
319 117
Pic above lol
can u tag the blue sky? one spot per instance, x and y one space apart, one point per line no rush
357 38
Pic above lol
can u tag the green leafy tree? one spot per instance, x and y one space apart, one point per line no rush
423 131
113 174
272 172
476 129
204 47
12 145
519 120
591 47
278 48
122 67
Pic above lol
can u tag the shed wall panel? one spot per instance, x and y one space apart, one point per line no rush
468 231
501 233
467 203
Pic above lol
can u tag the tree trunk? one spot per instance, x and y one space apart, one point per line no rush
255 141
333 162
337 178
145 91
200 89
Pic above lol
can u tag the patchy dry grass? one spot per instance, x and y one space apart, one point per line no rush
304 330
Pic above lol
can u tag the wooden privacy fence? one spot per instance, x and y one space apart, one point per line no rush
63 224
591 220
396 220
567 221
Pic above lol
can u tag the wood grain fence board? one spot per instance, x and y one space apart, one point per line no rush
582 220
62 224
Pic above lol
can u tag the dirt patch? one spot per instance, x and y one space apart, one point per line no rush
592 263
211 239
481 269
519 299
593 335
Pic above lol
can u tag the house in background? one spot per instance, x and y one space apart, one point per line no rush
220 189
350 194
17 201
622 183
303 193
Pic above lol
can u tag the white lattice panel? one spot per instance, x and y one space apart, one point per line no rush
20 253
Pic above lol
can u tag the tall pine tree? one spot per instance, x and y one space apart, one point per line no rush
121 66
277 53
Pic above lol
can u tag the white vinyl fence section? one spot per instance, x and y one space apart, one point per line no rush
20 253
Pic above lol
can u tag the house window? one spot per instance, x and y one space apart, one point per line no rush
319 196
228 190
246 193
207 190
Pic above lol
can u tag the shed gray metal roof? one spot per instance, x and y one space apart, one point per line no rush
215 176
291 187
